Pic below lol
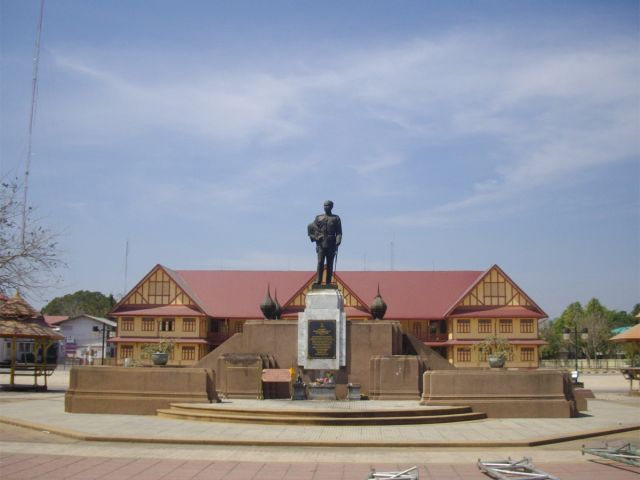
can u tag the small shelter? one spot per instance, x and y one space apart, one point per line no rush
631 336
20 321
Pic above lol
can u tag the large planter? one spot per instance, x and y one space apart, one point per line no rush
496 361
159 358
321 392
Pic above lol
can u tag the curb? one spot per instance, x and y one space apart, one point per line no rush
534 442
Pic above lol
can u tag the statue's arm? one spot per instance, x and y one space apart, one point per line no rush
311 231
338 232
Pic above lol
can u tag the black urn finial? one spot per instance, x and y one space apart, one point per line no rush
278 311
378 307
268 306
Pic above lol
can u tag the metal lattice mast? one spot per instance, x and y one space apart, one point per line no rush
32 117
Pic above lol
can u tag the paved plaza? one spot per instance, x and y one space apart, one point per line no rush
56 444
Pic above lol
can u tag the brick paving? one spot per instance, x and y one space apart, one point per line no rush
31 467
37 454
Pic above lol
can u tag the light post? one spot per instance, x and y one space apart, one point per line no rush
566 335
105 329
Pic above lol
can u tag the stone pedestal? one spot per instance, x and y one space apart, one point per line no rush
502 393
137 391
396 377
322 331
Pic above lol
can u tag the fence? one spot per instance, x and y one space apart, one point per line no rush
586 364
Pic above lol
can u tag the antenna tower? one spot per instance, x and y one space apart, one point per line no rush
32 117
392 259
126 266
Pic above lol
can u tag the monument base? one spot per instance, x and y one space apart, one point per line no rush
136 391
322 330
502 393
396 377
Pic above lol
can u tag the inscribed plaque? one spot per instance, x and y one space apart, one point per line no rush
322 339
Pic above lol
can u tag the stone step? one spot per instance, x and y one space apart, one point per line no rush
350 410
321 417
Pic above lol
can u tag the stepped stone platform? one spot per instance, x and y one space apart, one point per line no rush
336 413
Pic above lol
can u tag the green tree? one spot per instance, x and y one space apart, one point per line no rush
597 319
620 318
80 302
553 337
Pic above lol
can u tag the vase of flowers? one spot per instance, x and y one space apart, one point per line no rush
158 352
496 350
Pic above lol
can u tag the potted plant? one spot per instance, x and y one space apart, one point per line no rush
158 352
496 349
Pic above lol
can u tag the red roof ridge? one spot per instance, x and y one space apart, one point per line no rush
176 277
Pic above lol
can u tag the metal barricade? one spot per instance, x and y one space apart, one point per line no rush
408 474
509 469
627 453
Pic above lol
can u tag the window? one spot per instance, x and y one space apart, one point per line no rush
417 330
214 326
166 325
188 353
189 325
506 326
526 354
126 351
464 326
526 325
464 354
158 292
148 325
484 326
495 293
238 327
127 324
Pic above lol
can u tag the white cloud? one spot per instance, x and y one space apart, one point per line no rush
376 163
543 113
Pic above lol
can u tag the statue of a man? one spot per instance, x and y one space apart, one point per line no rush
326 232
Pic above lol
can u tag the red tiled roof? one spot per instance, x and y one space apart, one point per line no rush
409 294
497 312
54 319
238 294
163 311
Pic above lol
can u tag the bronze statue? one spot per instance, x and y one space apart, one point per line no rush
326 231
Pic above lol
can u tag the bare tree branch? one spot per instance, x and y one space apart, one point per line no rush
27 262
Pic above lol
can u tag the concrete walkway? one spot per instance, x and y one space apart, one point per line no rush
151 447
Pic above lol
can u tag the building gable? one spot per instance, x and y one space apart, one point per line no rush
495 288
157 288
350 298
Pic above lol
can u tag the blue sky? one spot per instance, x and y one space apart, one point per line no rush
210 133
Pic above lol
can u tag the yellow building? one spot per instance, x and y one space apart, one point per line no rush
450 311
